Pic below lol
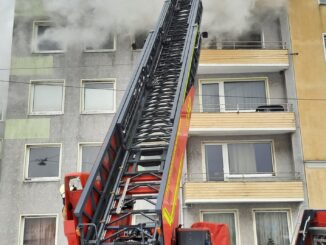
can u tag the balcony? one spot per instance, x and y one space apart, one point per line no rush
280 187
242 119
244 56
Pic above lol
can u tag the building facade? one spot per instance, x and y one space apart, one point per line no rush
244 164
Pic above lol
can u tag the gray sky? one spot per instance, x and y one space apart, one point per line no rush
6 24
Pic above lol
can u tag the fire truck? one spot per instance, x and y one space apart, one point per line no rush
131 195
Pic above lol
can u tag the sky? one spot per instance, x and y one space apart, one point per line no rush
6 24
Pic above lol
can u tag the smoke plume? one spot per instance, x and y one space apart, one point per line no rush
90 21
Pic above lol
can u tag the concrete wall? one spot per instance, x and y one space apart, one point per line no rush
19 197
283 158
192 213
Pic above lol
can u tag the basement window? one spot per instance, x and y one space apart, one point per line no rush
46 97
44 38
38 229
109 45
139 40
237 160
87 155
272 226
98 96
43 162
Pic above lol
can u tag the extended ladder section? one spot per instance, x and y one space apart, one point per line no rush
131 195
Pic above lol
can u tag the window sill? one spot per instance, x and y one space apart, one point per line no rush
96 112
46 113
49 52
100 51
45 179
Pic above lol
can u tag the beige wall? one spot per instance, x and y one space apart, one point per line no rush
307 24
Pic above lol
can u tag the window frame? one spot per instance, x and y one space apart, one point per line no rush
99 50
225 211
323 36
288 212
22 218
80 152
31 96
26 163
82 93
226 166
35 49
221 82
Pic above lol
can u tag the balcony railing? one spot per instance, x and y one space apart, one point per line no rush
244 107
270 45
243 177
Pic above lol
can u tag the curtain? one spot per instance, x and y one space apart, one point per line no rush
224 218
272 228
210 97
39 231
242 158
244 95
98 96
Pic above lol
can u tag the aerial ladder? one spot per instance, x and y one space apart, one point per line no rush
131 195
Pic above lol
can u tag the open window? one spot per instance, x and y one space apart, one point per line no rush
44 38
139 40
108 45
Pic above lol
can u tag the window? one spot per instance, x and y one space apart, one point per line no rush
43 162
224 217
321 2
38 230
87 155
98 96
226 96
141 205
238 160
106 46
139 40
44 38
46 97
272 227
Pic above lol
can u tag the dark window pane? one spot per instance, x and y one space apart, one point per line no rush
139 41
89 154
272 228
108 44
210 97
43 162
244 95
39 231
44 43
214 162
263 155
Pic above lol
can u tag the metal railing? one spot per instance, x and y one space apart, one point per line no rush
233 177
270 45
243 107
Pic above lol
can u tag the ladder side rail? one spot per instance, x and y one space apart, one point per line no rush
192 56
195 12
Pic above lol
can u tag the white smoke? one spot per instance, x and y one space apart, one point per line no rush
233 18
91 21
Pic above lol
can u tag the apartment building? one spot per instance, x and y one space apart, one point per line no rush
244 163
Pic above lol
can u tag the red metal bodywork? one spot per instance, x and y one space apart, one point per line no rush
170 207
219 232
